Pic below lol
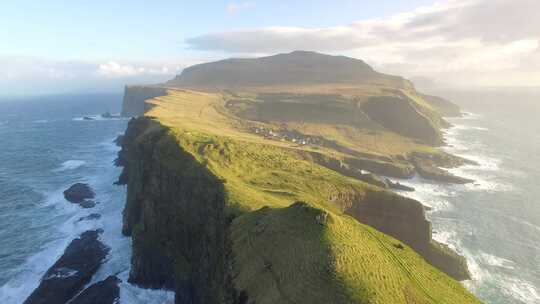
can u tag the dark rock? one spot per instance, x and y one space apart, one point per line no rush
90 217
72 271
398 186
122 179
109 115
104 292
88 204
78 193
428 169
373 179
119 140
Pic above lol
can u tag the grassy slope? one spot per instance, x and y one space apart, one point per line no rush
281 254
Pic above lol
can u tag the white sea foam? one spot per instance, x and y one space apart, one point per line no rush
466 116
70 165
67 227
432 195
99 118
492 260
446 237
521 290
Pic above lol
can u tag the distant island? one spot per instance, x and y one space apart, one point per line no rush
273 180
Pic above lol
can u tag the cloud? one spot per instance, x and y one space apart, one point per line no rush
113 69
21 74
233 8
447 40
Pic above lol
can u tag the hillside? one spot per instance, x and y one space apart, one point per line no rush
293 69
203 180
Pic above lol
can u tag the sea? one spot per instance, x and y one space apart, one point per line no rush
46 145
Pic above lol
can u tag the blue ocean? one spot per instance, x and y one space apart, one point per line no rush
46 145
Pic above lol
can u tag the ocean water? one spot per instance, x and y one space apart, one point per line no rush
46 146
495 222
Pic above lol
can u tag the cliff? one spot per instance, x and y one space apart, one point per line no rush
135 97
443 106
252 190
195 193
175 215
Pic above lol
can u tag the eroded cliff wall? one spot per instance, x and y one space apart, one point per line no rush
175 216
135 96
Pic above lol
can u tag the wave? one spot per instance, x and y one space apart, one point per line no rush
432 195
492 260
70 165
521 290
99 118
62 223
466 116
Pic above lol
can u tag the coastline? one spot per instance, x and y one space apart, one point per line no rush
452 230
62 222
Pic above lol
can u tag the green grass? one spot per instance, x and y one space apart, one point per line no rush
285 256
280 253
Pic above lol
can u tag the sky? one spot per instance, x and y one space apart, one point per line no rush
53 46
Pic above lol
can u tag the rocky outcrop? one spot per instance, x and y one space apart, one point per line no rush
398 186
175 213
103 292
135 97
361 168
90 217
443 106
429 166
72 271
403 116
384 168
79 193
404 219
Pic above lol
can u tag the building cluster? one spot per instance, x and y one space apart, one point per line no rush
287 135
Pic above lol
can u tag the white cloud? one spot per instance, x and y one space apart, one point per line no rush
113 69
458 41
40 75
233 7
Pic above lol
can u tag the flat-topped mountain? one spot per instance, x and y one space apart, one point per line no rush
296 68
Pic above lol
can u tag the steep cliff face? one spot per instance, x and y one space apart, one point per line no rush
404 117
443 106
135 97
175 215
186 239
404 219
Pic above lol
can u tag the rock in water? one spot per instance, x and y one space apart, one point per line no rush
72 271
90 217
78 193
104 292
398 186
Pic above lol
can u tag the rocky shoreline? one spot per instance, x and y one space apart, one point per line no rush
65 281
